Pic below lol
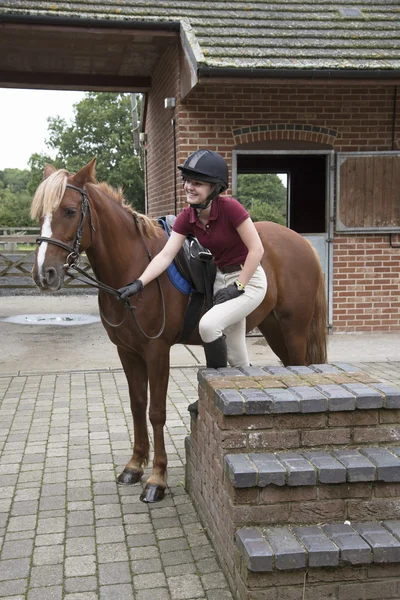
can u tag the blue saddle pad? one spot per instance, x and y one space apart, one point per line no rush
181 284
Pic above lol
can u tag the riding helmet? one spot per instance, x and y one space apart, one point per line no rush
206 165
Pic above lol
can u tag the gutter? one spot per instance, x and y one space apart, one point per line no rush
242 72
85 22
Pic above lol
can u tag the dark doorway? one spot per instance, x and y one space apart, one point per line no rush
307 187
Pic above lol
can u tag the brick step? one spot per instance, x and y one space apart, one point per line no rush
266 549
285 390
367 464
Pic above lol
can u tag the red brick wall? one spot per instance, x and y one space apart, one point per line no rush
366 283
345 118
160 140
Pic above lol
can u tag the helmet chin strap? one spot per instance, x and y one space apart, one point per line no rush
200 207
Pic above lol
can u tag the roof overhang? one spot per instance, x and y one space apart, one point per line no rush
81 54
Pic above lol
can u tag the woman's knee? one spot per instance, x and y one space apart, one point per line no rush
208 330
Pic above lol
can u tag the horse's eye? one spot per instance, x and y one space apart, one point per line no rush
70 212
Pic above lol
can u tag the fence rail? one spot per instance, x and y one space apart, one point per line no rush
17 256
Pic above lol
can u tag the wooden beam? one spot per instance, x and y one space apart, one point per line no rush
71 81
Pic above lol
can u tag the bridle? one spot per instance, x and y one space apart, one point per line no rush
74 249
73 258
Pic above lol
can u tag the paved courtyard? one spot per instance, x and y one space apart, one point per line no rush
66 529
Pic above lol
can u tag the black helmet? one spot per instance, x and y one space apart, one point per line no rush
206 165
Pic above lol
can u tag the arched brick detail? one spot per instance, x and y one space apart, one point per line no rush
284 131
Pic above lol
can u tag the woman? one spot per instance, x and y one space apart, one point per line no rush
222 225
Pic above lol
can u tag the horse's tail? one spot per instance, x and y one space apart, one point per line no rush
316 343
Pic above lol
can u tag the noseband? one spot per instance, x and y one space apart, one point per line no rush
74 249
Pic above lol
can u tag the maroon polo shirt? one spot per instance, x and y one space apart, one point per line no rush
220 234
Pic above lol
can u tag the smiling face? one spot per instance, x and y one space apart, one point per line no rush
197 192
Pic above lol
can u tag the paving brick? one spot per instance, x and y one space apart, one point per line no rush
186 587
257 402
53 592
299 470
391 392
116 592
279 371
229 402
393 527
329 469
311 400
339 399
388 464
300 370
366 396
252 371
270 470
322 552
115 573
353 548
255 550
289 554
77 566
241 472
324 368
346 367
283 400
16 568
385 547
359 467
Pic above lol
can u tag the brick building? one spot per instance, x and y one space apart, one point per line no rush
306 89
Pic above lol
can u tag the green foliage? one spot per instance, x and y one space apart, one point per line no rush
101 128
264 196
15 200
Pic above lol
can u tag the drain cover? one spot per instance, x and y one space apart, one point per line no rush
52 319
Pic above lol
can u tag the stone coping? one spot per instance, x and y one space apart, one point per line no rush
295 547
313 467
282 390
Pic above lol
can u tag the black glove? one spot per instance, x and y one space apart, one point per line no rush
227 293
131 289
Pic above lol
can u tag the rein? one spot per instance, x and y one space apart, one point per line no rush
72 262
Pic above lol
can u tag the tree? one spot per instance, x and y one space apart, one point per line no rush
264 196
15 199
102 128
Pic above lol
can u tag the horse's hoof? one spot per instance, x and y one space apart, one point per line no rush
194 408
152 493
129 477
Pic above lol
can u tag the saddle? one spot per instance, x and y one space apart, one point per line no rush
195 266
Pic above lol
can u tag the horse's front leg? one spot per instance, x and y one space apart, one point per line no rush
136 373
158 372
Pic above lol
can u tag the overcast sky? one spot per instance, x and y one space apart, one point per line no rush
23 122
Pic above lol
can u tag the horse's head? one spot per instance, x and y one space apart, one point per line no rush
61 206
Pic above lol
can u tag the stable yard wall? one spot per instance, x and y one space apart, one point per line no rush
359 118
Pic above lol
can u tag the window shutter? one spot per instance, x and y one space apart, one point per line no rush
368 191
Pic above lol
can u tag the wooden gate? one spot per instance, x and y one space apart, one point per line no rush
17 256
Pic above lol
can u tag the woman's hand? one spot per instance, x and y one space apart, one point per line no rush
227 293
130 289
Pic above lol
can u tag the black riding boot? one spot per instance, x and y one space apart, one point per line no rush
216 357
216 353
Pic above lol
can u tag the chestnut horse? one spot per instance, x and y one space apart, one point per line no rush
77 214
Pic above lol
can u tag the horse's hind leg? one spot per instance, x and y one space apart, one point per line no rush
136 374
295 333
271 330
287 337
158 371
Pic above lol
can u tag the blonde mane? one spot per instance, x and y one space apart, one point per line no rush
50 192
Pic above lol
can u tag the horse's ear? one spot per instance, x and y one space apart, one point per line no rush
86 175
48 170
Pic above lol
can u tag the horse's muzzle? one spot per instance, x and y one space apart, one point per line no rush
50 279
